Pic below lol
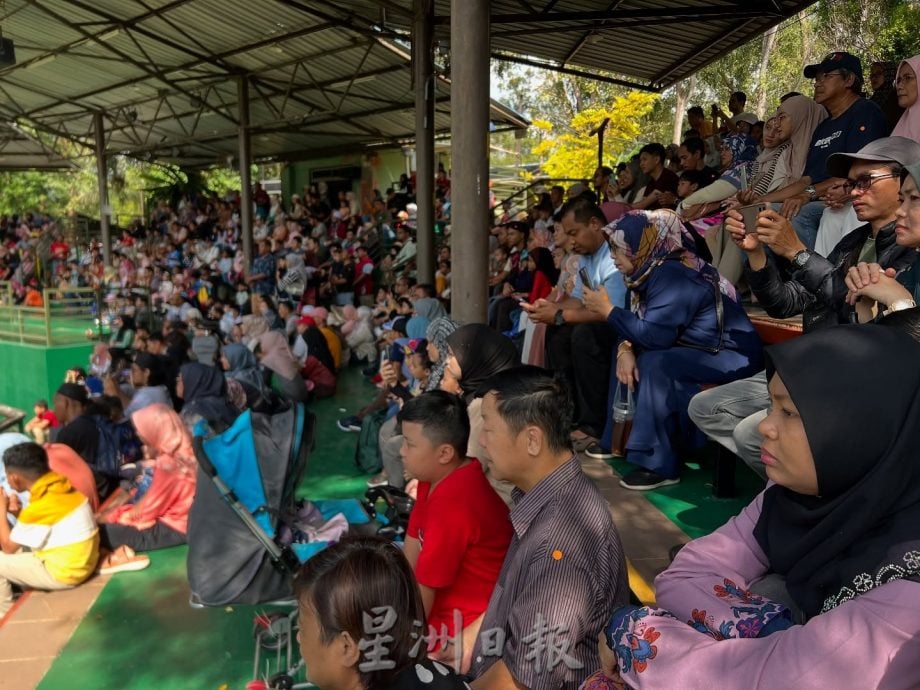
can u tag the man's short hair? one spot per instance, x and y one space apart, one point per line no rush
584 209
696 110
786 96
606 171
654 149
697 177
694 145
558 188
428 289
531 396
443 418
28 459
740 96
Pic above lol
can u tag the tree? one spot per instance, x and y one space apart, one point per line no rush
572 150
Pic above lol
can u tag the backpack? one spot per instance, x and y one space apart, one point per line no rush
108 458
367 457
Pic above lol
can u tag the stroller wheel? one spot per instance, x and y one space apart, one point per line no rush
281 681
271 630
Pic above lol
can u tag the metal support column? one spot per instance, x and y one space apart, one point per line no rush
245 171
469 135
423 66
102 179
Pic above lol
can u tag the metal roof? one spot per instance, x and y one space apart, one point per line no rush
165 74
326 75
19 150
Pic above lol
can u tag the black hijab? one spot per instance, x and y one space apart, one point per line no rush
204 392
318 347
856 390
481 353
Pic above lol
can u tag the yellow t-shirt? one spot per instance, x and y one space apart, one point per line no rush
335 345
59 528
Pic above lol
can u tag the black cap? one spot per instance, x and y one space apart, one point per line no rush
74 391
832 61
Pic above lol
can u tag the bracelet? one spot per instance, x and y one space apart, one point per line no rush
623 352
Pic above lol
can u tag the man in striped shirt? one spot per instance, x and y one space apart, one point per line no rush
55 542
565 570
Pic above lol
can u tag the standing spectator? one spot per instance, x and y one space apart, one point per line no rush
261 278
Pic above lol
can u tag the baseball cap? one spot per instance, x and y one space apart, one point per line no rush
832 61
887 149
750 118
306 321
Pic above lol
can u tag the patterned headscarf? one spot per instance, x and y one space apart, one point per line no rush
650 238
437 334
743 148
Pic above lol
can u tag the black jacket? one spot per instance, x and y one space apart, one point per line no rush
817 291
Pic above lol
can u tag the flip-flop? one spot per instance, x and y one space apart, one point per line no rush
128 562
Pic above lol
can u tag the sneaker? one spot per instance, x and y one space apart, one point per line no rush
645 480
349 424
595 450
378 480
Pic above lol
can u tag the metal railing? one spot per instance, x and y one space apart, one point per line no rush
530 192
66 317
10 418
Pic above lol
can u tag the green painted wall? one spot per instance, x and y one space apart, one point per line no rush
379 169
28 372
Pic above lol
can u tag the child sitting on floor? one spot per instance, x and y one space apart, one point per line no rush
41 424
459 528
55 543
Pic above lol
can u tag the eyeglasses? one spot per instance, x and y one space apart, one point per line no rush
863 182
821 76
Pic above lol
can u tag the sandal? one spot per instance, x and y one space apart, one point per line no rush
122 559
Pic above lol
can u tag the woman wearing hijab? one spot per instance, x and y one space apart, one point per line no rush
282 369
475 354
204 394
906 89
245 383
123 336
684 329
439 330
881 80
160 518
816 584
318 368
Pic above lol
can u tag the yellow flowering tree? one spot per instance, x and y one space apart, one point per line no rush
573 152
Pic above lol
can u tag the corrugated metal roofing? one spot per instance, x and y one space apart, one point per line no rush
325 74
21 151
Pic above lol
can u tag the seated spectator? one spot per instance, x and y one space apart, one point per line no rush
203 391
692 154
661 180
42 423
246 386
631 183
906 90
564 540
337 589
8 440
545 274
359 333
148 379
579 344
684 328
80 431
159 519
882 77
318 369
333 340
886 287
792 280
56 527
814 583
459 529
122 335
854 122
281 369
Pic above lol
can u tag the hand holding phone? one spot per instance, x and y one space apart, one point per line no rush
585 278
749 213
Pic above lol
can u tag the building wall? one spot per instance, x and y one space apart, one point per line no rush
32 372
379 169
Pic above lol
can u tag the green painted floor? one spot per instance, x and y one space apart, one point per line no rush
141 634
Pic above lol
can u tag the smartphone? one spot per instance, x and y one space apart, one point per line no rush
750 213
585 278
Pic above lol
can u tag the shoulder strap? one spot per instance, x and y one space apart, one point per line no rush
713 280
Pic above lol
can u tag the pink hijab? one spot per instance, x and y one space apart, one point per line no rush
170 496
276 354
909 124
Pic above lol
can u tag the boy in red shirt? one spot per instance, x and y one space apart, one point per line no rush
459 529
41 424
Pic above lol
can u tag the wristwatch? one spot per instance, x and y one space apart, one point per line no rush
811 192
559 318
899 305
801 258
